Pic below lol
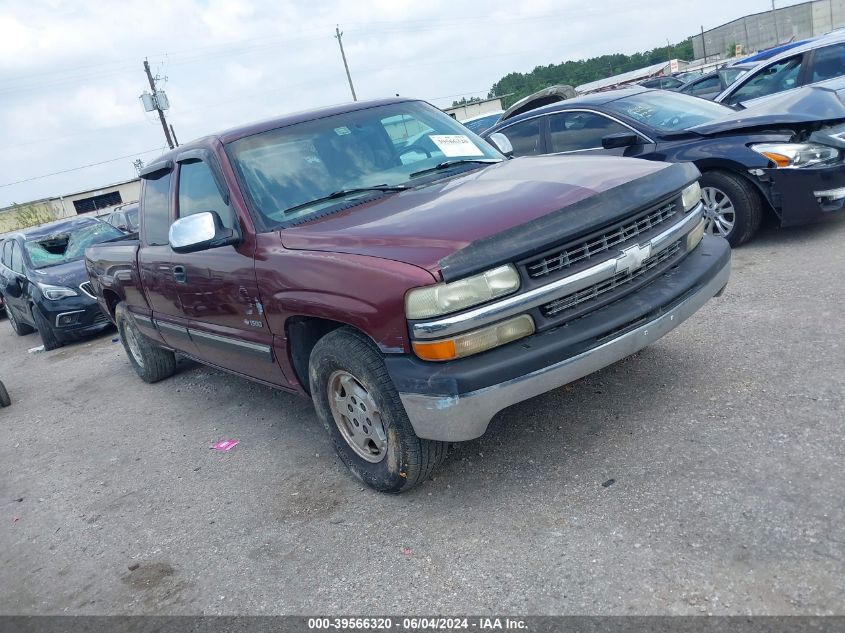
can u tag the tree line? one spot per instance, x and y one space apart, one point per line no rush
518 85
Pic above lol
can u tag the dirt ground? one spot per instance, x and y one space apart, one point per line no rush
702 475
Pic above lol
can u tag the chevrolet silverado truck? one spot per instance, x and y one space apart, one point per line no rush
382 259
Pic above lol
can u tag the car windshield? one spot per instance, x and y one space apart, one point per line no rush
668 111
484 123
297 172
69 244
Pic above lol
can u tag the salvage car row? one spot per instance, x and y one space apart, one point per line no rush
413 278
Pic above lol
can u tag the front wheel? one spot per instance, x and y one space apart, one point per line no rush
360 408
21 329
733 209
150 362
45 329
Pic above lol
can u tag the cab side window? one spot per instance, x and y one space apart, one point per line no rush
780 76
572 131
711 84
829 62
525 137
198 192
156 203
17 258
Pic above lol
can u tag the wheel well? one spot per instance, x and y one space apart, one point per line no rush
768 208
303 334
112 299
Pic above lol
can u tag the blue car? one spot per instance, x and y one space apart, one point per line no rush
44 283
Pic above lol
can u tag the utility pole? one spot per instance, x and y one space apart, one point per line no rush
338 35
703 44
158 107
775 20
668 49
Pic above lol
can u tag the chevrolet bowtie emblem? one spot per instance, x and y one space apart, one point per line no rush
632 258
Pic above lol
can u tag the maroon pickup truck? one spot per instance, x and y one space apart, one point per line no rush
405 274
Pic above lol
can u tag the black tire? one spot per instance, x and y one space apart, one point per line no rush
153 363
5 400
746 200
407 460
21 329
48 334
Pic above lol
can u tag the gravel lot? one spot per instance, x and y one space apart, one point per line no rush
723 443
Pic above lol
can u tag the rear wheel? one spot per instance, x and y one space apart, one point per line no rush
361 410
48 334
733 208
150 362
21 329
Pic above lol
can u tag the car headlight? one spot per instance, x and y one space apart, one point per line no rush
476 341
797 154
54 293
691 196
443 298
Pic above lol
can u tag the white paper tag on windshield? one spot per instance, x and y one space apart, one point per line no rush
455 145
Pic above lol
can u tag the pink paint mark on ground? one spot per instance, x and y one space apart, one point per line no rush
407 552
225 445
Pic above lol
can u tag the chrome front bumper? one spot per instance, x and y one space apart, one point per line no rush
466 416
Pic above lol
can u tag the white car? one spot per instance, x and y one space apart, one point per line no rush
816 61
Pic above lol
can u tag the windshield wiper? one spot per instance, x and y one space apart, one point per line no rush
346 192
451 163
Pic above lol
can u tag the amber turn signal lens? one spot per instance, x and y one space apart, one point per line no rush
476 341
436 350
778 159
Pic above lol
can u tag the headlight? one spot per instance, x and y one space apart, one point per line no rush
797 154
54 293
476 341
443 298
691 196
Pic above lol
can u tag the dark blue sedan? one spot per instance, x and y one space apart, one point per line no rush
784 157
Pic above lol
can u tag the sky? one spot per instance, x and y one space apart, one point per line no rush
71 70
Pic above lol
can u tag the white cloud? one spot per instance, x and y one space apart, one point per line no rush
70 73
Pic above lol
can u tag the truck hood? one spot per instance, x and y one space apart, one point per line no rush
800 107
423 226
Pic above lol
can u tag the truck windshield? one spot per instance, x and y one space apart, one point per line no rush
300 171
67 245
669 111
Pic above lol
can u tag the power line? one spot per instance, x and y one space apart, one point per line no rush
65 171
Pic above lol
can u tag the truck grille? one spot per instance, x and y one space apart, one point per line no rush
556 307
585 249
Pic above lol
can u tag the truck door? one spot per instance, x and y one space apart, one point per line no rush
154 263
216 289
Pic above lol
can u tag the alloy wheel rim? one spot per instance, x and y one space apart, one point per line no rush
132 344
719 212
357 417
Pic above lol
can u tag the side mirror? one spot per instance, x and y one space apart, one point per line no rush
199 232
13 288
622 139
501 143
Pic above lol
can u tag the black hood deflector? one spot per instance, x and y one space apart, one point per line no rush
580 218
